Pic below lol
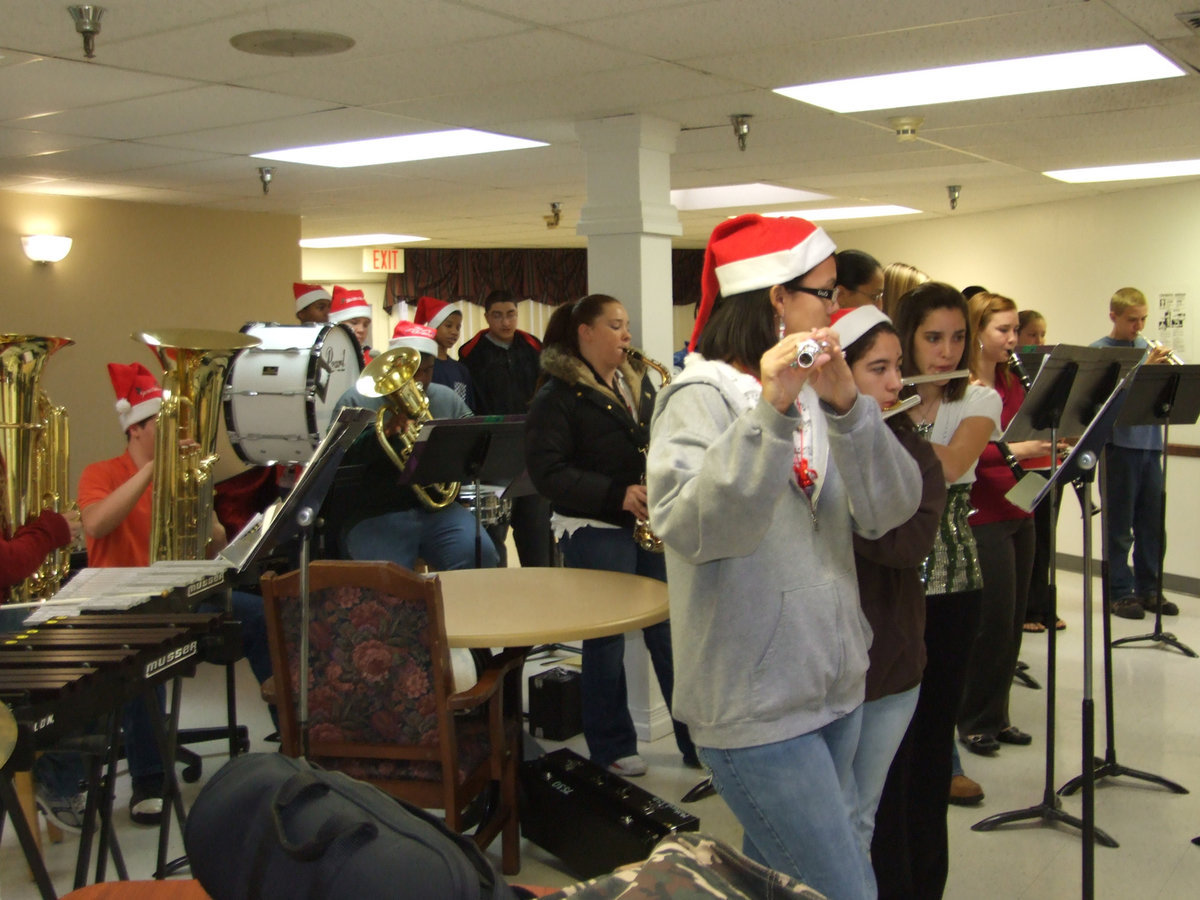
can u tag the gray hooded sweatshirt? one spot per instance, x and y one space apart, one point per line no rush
769 639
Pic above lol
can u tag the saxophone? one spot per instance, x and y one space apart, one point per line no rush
34 453
194 363
643 536
391 376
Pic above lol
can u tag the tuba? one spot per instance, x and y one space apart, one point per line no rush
194 363
643 536
34 452
391 375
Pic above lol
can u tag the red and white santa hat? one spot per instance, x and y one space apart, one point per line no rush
433 312
419 337
139 394
751 252
348 304
308 294
852 324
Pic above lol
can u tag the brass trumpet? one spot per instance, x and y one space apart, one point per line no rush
643 535
391 375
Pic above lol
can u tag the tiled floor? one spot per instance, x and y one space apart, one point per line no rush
1158 729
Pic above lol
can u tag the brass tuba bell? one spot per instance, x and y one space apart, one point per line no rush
33 452
392 376
194 363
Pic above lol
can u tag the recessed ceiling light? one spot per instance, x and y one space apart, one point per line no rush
360 240
999 78
401 148
281 42
846 212
1134 172
727 196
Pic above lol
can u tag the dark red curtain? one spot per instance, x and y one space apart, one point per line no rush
548 276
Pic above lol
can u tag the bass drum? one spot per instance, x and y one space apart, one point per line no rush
280 396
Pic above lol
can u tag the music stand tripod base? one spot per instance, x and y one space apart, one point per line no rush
1050 812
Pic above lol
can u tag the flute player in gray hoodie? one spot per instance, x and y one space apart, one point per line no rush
763 461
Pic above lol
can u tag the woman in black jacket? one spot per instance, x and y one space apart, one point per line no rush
585 441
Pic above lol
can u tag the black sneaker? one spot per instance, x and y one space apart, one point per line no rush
1129 608
145 804
1168 608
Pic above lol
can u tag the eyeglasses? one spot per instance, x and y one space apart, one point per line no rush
876 297
828 295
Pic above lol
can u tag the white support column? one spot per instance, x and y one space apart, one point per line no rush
629 222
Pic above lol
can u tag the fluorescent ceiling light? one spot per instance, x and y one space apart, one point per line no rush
1133 172
845 212
360 240
726 196
401 148
1000 78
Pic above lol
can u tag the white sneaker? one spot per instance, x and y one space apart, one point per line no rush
628 766
65 812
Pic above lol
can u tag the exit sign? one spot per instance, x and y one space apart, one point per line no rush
383 259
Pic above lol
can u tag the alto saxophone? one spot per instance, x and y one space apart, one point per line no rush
643 536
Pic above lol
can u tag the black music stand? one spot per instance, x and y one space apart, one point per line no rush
1156 399
1153 395
1071 385
481 449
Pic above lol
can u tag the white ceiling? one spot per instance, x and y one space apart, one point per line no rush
169 112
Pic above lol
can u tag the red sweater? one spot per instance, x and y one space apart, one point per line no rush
993 477
29 546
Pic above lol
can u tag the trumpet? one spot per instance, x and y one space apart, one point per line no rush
1171 359
643 536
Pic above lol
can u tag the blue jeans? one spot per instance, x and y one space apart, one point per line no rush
607 725
795 800
1133 483
444 538
884 722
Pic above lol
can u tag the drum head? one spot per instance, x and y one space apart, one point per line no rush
280 396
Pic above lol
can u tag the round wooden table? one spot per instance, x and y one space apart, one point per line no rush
525 607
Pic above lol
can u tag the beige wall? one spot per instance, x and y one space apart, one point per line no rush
135 267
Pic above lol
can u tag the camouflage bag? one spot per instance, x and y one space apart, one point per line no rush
690 866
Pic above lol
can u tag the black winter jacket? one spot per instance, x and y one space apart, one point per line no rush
582 447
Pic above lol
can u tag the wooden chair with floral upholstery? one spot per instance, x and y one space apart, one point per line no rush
381 702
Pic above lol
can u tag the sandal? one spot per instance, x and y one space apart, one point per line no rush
1034 627
1060 625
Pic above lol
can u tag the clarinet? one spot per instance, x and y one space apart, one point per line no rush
1018 369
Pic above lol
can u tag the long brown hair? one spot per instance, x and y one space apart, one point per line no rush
982 307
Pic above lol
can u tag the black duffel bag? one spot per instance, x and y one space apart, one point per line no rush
268 827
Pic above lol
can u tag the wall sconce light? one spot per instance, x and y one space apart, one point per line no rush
46 248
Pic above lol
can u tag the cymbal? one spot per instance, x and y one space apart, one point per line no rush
8 733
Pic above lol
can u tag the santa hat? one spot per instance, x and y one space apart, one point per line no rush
750 252
139 395
308 294
851 324
348 305
419 337
433 312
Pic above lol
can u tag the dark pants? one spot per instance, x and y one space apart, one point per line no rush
607 724
531 532
1006 561
910 849
1133 483
1038 607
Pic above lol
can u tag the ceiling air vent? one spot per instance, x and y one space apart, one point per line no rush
1190 19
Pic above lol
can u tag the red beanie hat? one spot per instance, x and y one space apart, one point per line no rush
139 394
433 312
851 324
751 252
347 305
419 337
308 294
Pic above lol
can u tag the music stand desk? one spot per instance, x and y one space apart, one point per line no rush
525 607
